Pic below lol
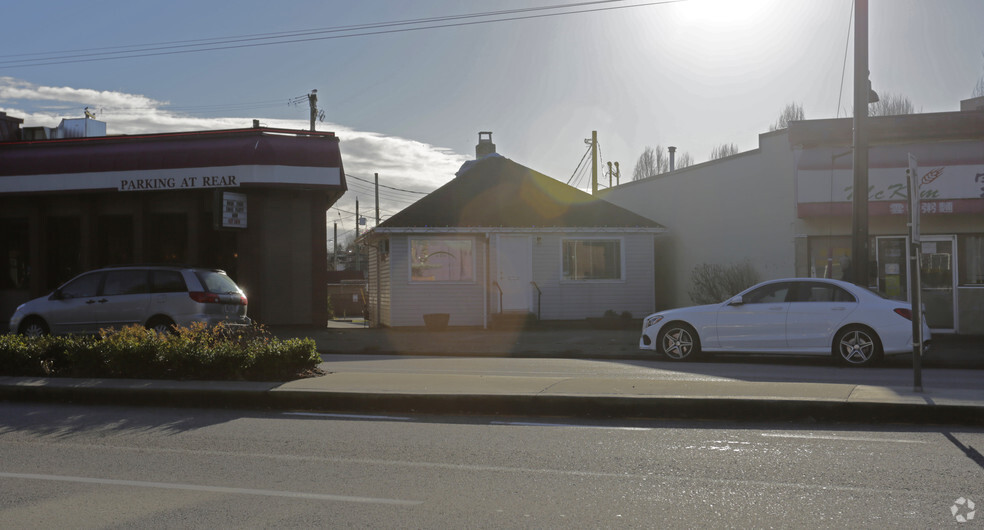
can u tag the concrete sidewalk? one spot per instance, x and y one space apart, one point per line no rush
351 337
539 396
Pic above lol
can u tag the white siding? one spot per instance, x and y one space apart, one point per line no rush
379 291
411 300
576 300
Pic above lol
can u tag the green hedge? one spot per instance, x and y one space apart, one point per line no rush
194 352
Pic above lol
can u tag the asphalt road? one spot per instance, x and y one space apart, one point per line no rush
119 467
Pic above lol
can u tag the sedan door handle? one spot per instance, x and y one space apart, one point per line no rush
90 301
103 301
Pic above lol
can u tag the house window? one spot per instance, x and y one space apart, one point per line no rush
442 260
592 259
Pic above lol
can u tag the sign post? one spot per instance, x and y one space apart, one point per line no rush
915 271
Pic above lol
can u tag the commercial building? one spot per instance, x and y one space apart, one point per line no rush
249 201
785 208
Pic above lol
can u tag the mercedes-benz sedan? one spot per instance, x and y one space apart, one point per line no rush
798 315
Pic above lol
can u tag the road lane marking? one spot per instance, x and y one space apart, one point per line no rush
347 416
209 489
842 438
538 424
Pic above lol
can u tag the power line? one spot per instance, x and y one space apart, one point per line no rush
228 43
579 164
384 186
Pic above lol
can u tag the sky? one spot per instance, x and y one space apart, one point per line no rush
407 86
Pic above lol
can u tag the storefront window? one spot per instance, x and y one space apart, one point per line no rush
592 259
114 240
442 260
829 257
14 272
971 251
167 240
63 245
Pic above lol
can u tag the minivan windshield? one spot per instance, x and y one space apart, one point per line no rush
217 282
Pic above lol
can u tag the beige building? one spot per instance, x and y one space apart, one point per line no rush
785 208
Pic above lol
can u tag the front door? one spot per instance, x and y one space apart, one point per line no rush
514 263
937 275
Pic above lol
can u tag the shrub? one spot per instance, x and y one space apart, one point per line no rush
194 352
711 284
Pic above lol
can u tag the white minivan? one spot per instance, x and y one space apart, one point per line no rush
159 297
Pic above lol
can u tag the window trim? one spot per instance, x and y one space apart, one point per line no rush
621 260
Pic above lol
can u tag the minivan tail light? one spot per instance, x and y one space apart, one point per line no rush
204 298
904 313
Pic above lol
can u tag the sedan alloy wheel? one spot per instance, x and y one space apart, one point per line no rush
857 347
679 342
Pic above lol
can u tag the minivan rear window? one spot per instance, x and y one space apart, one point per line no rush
217 282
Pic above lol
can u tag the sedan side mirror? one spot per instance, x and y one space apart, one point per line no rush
736 301
56 295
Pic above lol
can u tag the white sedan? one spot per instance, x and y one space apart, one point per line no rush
795 315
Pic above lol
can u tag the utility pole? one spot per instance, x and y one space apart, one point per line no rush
334 255
594 162
862 90
313 101
377 199
358 257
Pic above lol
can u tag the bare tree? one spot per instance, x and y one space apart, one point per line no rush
652 162
891 105
724 150
979 89
684 160
792 112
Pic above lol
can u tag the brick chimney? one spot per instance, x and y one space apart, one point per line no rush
485 146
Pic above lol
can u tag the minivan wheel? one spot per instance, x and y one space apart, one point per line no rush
857 346
161 325
33 327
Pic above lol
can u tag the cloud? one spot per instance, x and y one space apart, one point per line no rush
402 163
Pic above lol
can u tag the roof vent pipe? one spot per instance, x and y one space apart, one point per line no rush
672 157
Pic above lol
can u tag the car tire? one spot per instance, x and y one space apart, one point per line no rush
160 324
678 342
857 346
33 327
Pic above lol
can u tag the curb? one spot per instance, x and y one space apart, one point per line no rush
565 406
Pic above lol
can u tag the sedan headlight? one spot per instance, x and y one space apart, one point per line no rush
651 320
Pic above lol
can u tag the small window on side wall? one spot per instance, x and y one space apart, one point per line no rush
592 259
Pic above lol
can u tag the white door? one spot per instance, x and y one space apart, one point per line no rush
514 263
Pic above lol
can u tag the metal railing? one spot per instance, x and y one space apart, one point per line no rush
496 285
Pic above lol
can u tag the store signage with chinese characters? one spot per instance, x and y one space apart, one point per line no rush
944 190
178 183
233 210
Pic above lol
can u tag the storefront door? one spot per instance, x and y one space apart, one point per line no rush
937 275
939 254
